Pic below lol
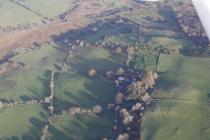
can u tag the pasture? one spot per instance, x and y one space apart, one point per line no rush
48 56
14 16
181 110
101 59
83 127
146 60
29 12
75 87
22 122
25 84
77 90
49 8
157 29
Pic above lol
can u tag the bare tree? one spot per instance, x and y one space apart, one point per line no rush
120 71
123 136
97 109
92 72
119 98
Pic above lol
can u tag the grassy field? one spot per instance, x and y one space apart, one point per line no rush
24 85
22 122
17 15
31 11
157 28
49 8
77 90
122 39
85 58
73 87
146 60
182 108
47 57
82 127
109 31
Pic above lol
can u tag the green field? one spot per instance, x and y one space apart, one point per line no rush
158 28
49 8
72 88
22 122
122 39
25 84
101 59
31 11
146 60
82 127
18 15
47 57
77 90
182 109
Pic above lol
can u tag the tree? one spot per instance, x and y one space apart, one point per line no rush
149 78
136 107
146 97
128 119
119 98
92 72
137 88
1 105
130 54
120 71
82 43
109 74
118 50
97 109
74 110
123 136
110 106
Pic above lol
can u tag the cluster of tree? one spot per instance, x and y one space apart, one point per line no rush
30 102
7 104
97 109
126 125
123 136
189 21
10 65
139 88
196 52
130 55
164 50
128 110
14 28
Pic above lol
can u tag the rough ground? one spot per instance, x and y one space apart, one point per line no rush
78 18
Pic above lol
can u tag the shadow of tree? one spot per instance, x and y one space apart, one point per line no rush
165 84
81 127
94 91
107 28
37 95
